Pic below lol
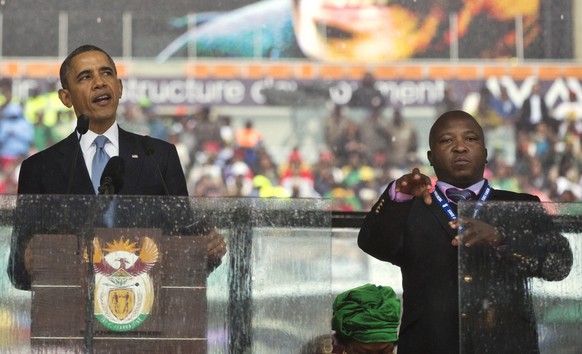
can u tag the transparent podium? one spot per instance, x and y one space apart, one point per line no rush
523 292
102 274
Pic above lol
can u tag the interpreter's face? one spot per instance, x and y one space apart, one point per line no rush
371 31
458 154
93 89
355 347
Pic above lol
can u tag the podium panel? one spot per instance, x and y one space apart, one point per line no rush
85 290
522 294
59 287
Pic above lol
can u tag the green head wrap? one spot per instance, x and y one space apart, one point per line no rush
368 314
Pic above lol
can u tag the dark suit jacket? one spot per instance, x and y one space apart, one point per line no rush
523 122
48 173
416 237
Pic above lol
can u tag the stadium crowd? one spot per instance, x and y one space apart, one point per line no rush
360 158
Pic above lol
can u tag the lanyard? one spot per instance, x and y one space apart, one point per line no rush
443 202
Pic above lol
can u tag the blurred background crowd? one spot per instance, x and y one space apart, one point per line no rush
531 148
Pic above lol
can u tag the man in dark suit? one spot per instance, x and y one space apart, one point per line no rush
152 168
418 230
534 111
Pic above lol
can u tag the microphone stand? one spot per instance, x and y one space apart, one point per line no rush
108 186
82 127
149 151
87 234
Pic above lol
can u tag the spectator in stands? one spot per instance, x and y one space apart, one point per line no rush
205 176
263 188
16 135
536 182
534 111
335 125
248 139
34 105
156 124
226 130
565 174
486 114
326 175
569 115
297 178
352 171
504 106
133 119
9 179
266 166
175 134
206 129
367 190
542 144
44 104
375 134
367 96
495 114
448 103
350 141
6 93
343 199
504 178
239 181
43 134
403 141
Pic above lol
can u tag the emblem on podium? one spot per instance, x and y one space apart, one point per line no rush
124 293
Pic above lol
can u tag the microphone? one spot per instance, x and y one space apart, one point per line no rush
82 124
148 147
82 128
113 176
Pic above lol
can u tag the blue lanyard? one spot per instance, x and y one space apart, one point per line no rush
443 202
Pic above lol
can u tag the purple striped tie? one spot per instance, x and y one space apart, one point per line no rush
455 195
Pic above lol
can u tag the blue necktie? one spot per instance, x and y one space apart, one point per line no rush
99 161
455 195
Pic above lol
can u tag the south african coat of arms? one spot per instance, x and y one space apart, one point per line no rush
124 293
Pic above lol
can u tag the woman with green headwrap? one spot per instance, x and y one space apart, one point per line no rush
365 320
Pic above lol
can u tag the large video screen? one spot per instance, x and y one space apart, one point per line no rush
323 30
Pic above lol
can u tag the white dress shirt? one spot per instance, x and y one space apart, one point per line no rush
88 146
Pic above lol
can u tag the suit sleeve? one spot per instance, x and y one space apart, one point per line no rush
173 174
28 183
24 227
383 229
534 243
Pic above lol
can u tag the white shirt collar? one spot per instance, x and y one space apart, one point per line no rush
112 147
88 148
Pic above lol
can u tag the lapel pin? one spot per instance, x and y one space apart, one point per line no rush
134 156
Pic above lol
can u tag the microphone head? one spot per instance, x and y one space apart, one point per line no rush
114 173
82 124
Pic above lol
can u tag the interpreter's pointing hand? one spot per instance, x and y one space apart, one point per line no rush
415 184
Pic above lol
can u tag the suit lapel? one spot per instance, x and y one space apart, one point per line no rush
81 182
442 217
134 157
